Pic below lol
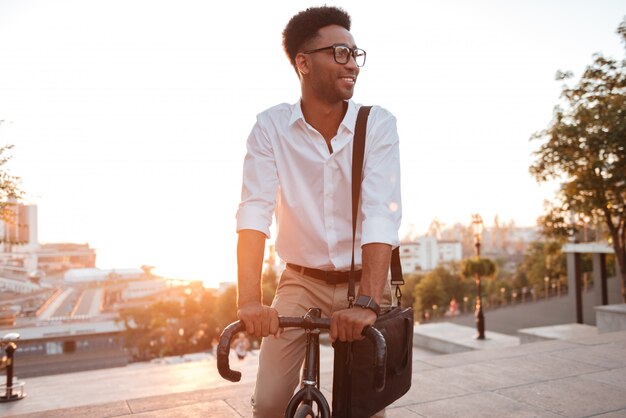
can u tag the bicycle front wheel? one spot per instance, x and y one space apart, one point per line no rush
304 411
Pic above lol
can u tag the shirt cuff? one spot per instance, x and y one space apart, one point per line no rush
380 230
249 218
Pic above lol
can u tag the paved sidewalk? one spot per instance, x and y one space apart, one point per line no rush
576 378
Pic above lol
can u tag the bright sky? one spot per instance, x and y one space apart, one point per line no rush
129 118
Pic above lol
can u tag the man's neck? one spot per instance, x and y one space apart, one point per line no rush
323 116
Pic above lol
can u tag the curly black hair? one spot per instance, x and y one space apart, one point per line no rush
304 26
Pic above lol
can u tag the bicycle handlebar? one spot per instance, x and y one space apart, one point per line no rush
372 334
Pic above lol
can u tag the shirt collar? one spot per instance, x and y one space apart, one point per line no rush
349 120
296 113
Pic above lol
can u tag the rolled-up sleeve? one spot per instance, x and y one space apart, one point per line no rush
381 206
260 183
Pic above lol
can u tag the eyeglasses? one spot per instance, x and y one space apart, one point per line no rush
342 54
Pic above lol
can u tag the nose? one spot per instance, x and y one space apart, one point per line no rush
351 64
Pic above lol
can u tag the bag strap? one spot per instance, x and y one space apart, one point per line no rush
397 279
358 152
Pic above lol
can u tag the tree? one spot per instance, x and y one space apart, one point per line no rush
182 322
226 306
541 260
439 287
428 293
10 191
585 145
483 267
408 290
269 283
149 330
479 269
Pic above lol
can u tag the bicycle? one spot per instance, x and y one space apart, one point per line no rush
301 403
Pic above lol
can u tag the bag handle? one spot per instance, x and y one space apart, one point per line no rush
358 152
398 369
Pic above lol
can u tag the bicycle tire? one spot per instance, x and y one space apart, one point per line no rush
304 411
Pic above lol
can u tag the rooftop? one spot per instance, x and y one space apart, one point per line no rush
577 377
67 329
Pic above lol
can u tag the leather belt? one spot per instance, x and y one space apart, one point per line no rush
330 277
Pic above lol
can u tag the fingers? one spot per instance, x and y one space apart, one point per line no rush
247 321
265 324
259 320
355 333
345 328
273 323
341 327
249 326
348 324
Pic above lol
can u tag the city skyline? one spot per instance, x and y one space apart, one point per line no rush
129 120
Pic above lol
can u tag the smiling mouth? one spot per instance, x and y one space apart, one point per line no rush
349 79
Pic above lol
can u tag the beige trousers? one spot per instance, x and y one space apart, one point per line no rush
280 359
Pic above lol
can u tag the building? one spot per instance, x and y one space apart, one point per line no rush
9 285
498 241
94 275
21 226
57 258
428 252
46 260
113 288
69 347
21 254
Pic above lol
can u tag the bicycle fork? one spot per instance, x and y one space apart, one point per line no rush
310 392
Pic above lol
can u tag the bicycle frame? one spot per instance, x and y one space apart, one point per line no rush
310 392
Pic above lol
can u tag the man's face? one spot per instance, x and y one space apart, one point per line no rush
330 80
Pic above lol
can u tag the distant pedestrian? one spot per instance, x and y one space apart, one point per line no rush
454 307
241 345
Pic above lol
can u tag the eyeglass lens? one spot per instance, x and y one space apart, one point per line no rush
343 53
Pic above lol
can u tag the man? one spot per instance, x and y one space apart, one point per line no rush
298 166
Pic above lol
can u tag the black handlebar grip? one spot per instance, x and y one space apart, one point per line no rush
380 356
223 349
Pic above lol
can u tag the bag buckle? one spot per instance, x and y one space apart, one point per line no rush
398 294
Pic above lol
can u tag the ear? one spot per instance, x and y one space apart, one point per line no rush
302 64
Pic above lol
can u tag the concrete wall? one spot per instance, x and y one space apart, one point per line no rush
611 318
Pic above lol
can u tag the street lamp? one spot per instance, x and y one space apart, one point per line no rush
477 227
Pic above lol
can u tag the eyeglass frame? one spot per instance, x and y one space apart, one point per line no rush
334 47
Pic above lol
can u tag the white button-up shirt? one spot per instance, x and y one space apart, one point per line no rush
289 171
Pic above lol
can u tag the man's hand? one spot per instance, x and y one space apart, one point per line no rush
348 324
260 320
